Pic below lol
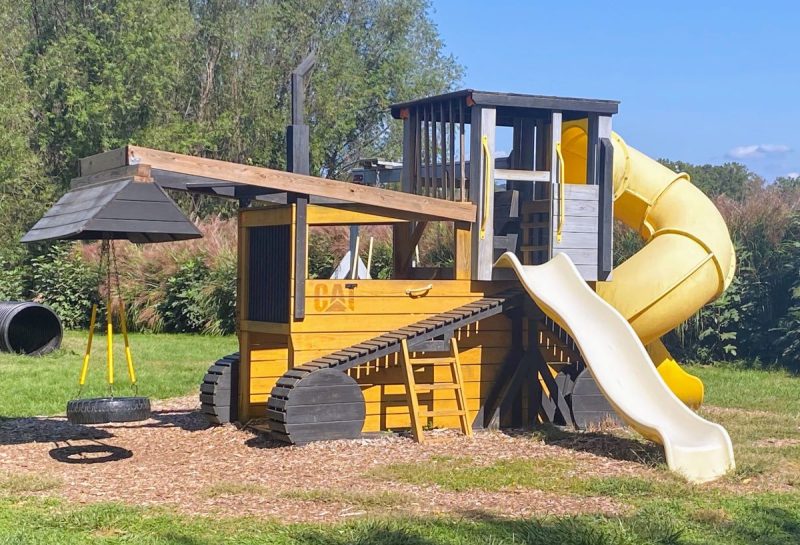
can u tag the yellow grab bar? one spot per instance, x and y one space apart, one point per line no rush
487 161
562 211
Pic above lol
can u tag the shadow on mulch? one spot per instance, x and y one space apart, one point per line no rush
603 444
90 454
187 420
20 431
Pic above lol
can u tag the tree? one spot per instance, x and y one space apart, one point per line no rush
731 179
25 192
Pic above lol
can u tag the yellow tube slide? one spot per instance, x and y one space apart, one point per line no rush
688 259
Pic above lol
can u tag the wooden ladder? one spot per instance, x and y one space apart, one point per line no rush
413 389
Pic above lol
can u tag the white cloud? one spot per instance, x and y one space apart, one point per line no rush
757 151
792 175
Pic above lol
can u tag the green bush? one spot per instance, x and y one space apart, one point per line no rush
66 282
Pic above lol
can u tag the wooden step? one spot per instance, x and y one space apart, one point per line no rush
412 389
431 361
439 386
442 412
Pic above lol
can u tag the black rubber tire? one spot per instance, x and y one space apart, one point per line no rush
103 410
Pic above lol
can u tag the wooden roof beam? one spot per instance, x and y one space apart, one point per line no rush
214 170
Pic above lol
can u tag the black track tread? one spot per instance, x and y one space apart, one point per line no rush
103 410
216 389
383 345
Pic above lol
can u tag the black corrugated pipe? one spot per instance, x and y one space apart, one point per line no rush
29 328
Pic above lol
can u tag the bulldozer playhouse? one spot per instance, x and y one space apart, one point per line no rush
530 323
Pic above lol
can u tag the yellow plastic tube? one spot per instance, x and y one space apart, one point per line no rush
688 259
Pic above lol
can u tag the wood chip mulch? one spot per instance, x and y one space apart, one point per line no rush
176 460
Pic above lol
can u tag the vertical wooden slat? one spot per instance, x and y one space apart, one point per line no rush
409 154
425 116
443 136
452 126
462 146
592 142
417 152
435 159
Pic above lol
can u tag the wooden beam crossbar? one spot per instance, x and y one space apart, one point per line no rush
211 169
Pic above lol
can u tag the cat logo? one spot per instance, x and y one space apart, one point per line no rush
333 299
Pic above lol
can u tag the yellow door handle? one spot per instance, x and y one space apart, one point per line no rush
412 292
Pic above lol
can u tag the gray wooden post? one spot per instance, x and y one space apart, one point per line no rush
482 124
555 138
605 217
298 160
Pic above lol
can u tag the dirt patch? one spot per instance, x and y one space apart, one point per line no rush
176 458
777 443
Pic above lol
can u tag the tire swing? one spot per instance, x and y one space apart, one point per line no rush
103 410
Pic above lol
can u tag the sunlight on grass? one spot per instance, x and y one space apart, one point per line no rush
234 489
28 483
361 499
166 365
459 474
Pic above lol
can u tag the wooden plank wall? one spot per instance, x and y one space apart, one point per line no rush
579 235
340 313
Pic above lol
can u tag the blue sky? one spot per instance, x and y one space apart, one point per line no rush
703 81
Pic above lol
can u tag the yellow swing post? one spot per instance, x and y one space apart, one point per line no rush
123 324
109 343
85 366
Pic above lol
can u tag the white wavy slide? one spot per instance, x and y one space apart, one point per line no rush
695 448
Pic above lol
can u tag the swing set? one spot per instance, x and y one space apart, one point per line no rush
111 408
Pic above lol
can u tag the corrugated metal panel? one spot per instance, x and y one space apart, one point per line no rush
269 274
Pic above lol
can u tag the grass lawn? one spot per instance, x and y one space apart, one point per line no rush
759 504
166 366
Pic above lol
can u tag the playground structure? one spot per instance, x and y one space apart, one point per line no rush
531 323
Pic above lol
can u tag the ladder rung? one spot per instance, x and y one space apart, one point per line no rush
431 361
438 386
443 412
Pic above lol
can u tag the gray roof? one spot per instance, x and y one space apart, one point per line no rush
573 108
123 209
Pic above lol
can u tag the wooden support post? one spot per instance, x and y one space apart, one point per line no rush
555 138
300 254
508 374
416 236
605 247
401 247
481 190
463 250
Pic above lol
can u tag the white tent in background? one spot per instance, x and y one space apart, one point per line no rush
343 270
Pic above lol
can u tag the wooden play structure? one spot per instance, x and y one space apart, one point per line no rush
325 359
507 334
